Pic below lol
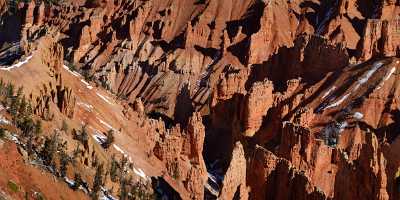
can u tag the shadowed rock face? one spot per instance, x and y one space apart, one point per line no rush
294 99
3 7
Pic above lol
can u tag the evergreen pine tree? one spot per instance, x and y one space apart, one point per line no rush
64 161
78 181
49 149
110 139
97 182
2 87
38 127
9 90
114 169
123 185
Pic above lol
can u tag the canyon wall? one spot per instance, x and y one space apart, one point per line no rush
291 99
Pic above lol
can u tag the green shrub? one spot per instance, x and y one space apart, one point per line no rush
97 181
110 139
2 133
39 196
71 67
13 186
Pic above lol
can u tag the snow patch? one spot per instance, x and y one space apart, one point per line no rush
88 86
122 152
14 138
4 120
388 75
358 115
328 92
87 107
360 82
104 98
69 181
17 65
119 149
99 138
212 178
137 171
342 126
368 75
140 173
340 101
108 197
72 72
106 124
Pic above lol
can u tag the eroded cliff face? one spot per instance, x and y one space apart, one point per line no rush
182 153
291 99
3 7
54 90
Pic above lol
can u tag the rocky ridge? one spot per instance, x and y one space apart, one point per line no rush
298 96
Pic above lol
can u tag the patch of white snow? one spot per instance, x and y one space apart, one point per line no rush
69 181
104 98
72 72
88 86
368 75
87 107
328 92
140 173
388 75
99 138
358 115
340 101
119 149
4 120
106 124
17 64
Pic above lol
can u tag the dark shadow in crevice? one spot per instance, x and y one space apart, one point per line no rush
169 123
209 52
250 23
240 50
162 189
184 107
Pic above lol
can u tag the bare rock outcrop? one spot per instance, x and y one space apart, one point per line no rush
234 183
182 153
259 100
55 91
276 31
283 78
3 7
381 38
274 178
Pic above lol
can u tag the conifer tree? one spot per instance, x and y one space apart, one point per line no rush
77 181
114 169
97 181
64 161
110 139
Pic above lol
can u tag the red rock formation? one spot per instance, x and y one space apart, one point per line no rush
235 177
55 91
181 151
41 14
271 75
259 100
271 177
3 7
29 20
276 31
